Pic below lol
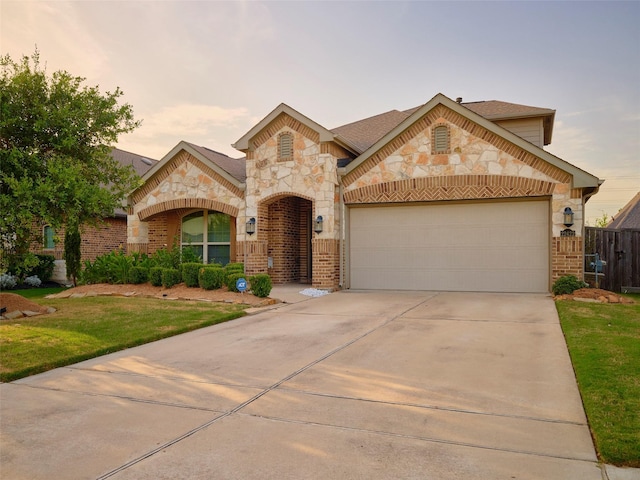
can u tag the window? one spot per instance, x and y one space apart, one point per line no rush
49 240
208 234
440 139
285 147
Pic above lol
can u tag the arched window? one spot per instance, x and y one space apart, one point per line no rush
48 237
285 146
208 234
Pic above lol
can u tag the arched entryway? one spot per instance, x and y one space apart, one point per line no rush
285 222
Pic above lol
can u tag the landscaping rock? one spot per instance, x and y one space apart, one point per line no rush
13 315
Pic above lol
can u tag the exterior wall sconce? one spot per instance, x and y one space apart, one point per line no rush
568 217
317 224
251 226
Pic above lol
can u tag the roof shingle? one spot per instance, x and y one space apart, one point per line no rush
629 216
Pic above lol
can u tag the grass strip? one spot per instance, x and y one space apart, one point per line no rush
604 344
85 328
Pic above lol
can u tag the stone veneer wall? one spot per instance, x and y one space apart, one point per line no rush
184 182
311 175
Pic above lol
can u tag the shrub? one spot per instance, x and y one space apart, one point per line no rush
22 265
189 255
232 278
44 270
260 285
8 281
155 276
170 277
138 275
190 274
211 277
567 285
33 281
234 268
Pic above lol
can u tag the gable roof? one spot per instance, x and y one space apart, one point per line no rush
364 133
325 135
229 168
629 216
235 166
581 178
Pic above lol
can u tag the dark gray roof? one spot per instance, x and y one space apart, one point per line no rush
364 133
140 164
368 131
629 216
236 167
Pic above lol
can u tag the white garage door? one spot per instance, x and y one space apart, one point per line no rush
483 247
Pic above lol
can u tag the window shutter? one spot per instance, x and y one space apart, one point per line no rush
286 146
441 139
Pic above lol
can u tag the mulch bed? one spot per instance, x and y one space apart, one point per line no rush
595 295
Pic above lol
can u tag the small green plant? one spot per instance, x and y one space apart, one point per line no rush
190 274
567 285
260 285
170 277
155 276
211 277
232 278
138 275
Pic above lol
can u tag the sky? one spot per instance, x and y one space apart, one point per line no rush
208 71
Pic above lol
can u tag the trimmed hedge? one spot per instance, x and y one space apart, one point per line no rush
260 285
190 274
170 277
155 276
211 277
138 275
234 267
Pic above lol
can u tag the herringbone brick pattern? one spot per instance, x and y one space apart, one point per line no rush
459 187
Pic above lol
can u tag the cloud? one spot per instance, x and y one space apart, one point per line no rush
64 40
189 120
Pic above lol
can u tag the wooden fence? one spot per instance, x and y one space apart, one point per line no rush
620 252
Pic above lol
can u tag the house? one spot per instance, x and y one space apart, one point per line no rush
445 196
628 217
104 238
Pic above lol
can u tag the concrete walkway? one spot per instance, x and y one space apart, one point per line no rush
350 385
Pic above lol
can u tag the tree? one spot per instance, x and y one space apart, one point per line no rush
55 143
72 256
603 221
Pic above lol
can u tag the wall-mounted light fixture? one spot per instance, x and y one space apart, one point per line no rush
251 226
568 217
317 224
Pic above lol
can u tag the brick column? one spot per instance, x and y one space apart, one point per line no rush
326 263
567 257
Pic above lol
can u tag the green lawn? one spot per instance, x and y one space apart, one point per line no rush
604 343
84 328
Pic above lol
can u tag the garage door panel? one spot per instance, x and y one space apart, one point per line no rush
460 247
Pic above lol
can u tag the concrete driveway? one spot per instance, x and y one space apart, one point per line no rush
351 385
